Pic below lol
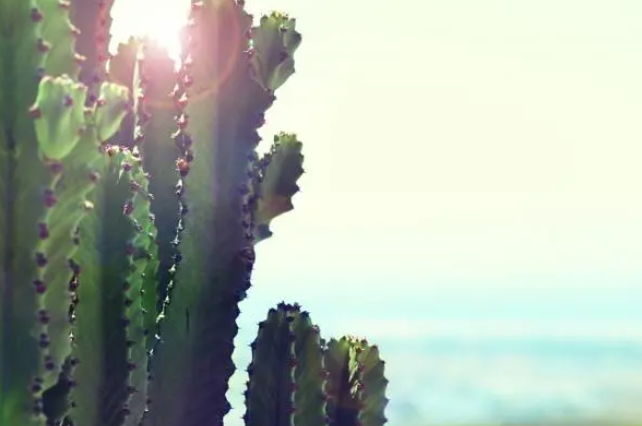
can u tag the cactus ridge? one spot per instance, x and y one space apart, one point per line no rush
275 183
356 384
285 376
120 239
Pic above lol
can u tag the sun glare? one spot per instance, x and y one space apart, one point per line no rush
158 20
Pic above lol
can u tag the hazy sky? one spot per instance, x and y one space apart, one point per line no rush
464 158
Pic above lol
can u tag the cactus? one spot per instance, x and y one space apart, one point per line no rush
296 378
286 381
356 385
47 141
131 199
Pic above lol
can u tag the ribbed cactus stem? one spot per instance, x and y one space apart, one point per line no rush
159 107
42 206
286 380
356 385
92 18
224 106
109 327
216 259
60 35
274 183
38 213
121 70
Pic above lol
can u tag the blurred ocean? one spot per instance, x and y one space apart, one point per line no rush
518 379
510 370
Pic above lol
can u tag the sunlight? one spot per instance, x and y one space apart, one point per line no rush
149 18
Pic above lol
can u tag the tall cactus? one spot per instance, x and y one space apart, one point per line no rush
224 102
109 327
131 199
47 140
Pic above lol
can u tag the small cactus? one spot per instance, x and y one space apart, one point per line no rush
285 384
356 386
131 201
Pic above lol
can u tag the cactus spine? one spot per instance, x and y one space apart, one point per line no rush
131 199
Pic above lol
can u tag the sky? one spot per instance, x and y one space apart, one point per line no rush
473 167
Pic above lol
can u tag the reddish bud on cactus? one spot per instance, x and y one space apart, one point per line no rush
43 46
36 16
35 112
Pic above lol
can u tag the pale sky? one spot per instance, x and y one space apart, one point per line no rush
473 152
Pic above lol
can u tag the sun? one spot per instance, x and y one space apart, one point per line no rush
159 20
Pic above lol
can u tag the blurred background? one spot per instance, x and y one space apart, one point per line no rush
472 202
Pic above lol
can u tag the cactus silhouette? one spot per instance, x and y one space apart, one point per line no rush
131 200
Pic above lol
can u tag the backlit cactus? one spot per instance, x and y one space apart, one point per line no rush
286 380
356 386
48 142
131 199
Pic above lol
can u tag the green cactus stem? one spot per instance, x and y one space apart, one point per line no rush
93 20
109 344
356 386
41 146
158 101
120 70
286 378
60 35
43 202
276 175
274 42
224 107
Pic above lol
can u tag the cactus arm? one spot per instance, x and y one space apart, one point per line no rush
342 382
218 133
199 322
356 383
109 340
121 70
278 173
142 281
92 19
285 377
373 396
155 80
309 376
44 147
274 42
60 35
267 396
34 300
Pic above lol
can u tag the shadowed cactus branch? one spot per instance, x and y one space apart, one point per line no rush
275 183
356 385
286 383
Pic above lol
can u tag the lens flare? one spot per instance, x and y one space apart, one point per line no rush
163 23
160 21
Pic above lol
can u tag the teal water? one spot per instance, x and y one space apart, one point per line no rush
454 380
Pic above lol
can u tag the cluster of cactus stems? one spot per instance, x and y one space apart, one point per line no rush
131 199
